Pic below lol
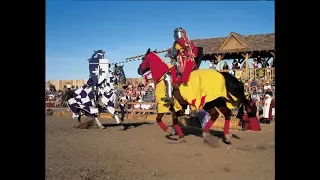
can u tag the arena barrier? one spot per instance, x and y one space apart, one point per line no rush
150 115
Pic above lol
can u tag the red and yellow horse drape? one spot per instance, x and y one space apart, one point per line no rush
204 85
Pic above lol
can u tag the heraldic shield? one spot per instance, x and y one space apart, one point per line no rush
99 69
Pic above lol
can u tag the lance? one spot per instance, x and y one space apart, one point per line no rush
140 56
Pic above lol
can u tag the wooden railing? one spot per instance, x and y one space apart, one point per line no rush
252 73
49 104
128 110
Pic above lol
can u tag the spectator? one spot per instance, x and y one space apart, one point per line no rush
212 65
267 87
151 84
264 63
248 116
140 85
235 64
125 86
68 86
268 91
253 85
255 96
268 111
255 63
225 65
246 86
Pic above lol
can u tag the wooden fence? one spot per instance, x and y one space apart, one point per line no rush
50 104
240 73
59 84
128 110
139 110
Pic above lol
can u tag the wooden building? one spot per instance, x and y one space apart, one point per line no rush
240 47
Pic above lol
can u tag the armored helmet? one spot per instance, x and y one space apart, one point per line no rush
178 33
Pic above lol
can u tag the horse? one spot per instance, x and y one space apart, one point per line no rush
81 101
207 89
119 72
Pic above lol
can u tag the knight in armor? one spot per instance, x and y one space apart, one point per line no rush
182 55
98 93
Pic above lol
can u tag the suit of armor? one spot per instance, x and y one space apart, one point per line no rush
182 54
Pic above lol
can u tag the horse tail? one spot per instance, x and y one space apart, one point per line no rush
235 87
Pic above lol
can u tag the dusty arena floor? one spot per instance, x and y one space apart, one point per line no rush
143 153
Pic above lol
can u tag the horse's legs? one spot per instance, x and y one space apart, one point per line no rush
227 114
79 119
99 123
122 111
214 115
160 123
207 138
114 113
175 123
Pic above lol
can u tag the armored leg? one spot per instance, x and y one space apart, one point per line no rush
169 88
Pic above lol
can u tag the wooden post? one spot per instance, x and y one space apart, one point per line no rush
246 57
127 114
273 54
219 58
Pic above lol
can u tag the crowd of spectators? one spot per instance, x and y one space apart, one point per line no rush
144 91
139 92
258 90
240 64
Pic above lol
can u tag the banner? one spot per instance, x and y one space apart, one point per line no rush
260 73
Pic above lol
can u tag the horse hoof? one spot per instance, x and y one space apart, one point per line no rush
182 140
171 131
75 126
122 128
102 127
227 138
211 141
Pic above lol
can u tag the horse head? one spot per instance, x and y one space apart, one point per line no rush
146 59
119 73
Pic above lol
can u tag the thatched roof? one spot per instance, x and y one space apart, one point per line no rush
256 42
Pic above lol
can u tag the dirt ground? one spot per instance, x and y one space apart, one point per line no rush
142 152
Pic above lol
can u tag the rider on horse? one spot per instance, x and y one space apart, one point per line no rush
182 55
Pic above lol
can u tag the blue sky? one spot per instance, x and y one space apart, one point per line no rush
128 28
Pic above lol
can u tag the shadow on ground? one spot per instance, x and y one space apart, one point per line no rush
130 125
187 130
88 124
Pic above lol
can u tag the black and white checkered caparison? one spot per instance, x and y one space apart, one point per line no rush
83 98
